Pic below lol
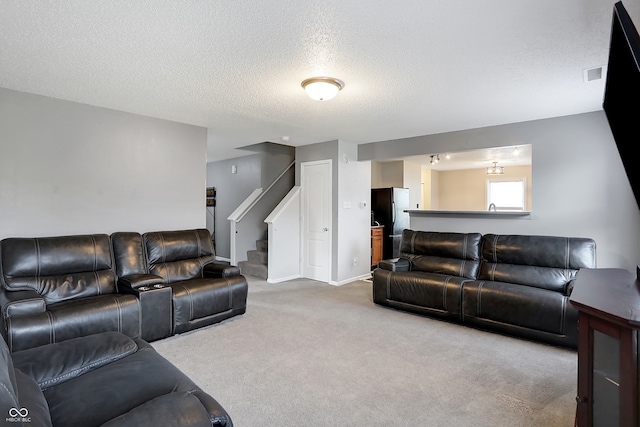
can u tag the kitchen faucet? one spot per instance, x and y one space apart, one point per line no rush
492 207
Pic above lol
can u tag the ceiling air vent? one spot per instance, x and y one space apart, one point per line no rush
592 74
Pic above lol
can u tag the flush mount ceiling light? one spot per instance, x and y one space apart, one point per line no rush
495 169
322 88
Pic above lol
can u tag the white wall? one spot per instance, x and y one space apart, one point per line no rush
354 215
285 234
69 168
351 181
578 183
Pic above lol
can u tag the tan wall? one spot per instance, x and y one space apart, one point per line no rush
466 190
387 174
400 174
412 179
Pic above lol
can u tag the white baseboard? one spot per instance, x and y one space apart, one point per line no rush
353 279
284 279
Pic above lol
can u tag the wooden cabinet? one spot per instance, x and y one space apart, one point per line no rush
608 302
376 245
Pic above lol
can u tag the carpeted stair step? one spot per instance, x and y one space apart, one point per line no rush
254 269
262 245
259 257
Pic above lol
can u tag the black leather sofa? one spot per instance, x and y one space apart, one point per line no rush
513 284
180 264
106 379
147 286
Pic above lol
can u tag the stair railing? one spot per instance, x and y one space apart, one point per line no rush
243 209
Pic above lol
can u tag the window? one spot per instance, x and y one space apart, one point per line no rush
506 195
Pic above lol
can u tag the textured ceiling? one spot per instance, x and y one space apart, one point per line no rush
411 67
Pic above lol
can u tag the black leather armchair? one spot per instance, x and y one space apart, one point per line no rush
57 288
204 291
180 284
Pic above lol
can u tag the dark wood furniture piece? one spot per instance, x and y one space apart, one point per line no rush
376 245
608 301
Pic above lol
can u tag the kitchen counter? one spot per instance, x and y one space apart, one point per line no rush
462 214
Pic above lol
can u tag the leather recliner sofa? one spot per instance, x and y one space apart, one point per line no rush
146 286
57 288
106 379
513 284
199 290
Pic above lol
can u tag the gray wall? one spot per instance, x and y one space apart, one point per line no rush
231 190
578 182
69 168
253 171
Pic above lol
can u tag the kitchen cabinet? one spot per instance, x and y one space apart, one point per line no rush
376 245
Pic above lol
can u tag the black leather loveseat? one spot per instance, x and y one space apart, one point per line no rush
106 379
147 286
515 284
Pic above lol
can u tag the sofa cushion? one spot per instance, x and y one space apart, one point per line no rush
204 301
69 359
440 293
506 303
456 254
178 255
197 298
115 389
545 262
59 268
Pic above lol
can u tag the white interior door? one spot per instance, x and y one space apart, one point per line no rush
315 178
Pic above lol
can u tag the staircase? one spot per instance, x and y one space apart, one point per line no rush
257 260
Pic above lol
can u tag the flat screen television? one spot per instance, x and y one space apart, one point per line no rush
622 92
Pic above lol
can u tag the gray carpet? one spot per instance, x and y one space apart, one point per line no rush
311 354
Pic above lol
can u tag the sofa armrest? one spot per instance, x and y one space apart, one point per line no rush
217 414
395 264
133 282
156 320
52 364
21 303
220 269
172 409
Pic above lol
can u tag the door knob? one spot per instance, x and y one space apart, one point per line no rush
325 229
